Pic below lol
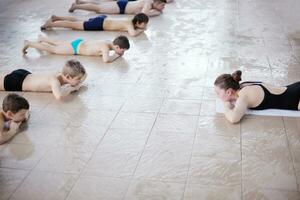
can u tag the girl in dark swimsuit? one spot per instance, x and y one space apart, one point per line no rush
238 97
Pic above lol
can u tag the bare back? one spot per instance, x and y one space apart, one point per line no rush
95 48
117 24
39 82
135 7
109 7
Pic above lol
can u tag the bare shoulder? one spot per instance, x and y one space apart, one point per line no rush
246 92
106 43
249 89
53 78
148 1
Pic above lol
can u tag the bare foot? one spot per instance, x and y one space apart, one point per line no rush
46 25
72 7
54 18
26 46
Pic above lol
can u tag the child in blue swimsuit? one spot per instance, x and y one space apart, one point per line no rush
81 47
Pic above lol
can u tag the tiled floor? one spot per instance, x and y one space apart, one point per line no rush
145 126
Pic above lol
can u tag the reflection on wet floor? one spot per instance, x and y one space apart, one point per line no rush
145 126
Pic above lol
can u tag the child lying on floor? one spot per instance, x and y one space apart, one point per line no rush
61 84
149 7
134 26
15 111
81 47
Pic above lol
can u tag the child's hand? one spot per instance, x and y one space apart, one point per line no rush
77 87
68 88
119 54
14 126
229 105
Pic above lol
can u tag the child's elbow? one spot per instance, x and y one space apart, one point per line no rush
233 119
132 34
58 97
106 60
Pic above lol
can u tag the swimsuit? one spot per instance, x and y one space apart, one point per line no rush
75 45
122 5
288 100
14 80
94 24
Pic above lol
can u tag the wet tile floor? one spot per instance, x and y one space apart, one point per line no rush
145 126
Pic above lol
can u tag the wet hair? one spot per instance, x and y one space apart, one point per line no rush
122 42
226 81
73 68
140 18
14 103
159 1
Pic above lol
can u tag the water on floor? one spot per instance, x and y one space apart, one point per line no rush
145 126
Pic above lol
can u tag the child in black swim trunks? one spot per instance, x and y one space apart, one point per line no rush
61 84
15 111
134 26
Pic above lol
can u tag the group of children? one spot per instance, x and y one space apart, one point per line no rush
15 108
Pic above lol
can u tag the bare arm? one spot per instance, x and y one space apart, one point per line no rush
147 7
135 32
154 12
59 91
234 113
107 58
7 133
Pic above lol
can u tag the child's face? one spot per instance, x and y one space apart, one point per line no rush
142 25
74 81
119 50
224 95
20 116
159 6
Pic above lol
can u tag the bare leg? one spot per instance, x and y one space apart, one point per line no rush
55 18
78 25
38 46
60 49
84 2
86 6
50 41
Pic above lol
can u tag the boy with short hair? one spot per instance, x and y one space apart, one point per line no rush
149 7
60 84
81 47
15 111
134 26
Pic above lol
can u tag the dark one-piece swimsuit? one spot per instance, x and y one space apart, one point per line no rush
288 100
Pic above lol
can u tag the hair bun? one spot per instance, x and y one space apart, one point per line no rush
237 76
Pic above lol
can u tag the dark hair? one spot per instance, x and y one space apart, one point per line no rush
160 1
140 18
122 42
73 68
14 103
226 81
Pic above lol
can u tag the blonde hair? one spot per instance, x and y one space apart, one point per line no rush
73 68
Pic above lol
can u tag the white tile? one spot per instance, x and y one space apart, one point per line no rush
94 188
45 185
